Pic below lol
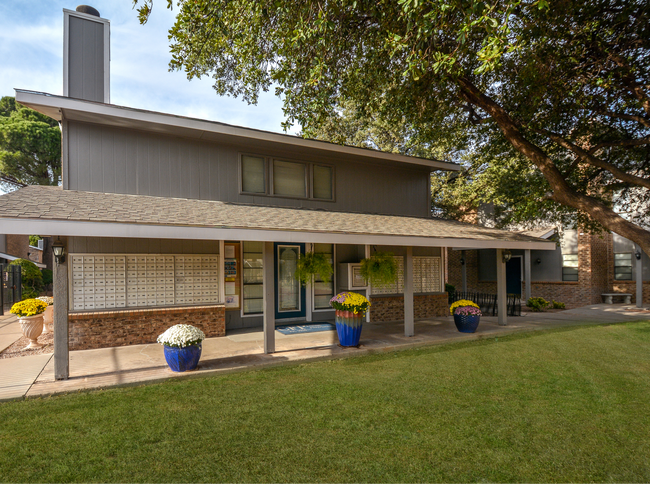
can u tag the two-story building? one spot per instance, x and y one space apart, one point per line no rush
167 219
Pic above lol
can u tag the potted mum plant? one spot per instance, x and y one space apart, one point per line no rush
350 308
30 316
183 345
48 315
467 315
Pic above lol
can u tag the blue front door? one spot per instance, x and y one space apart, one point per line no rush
513 276
290 297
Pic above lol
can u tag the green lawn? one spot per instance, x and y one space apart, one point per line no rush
569 406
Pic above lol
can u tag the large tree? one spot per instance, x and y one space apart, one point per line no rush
563 86
30 147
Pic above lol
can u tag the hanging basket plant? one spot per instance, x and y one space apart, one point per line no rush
311 264
380 269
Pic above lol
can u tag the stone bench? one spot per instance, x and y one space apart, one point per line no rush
609 297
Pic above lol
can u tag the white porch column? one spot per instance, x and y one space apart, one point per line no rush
463 268
409 315
527 275
60 316
502 302
269 299
639 278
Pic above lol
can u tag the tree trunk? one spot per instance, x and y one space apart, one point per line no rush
562 192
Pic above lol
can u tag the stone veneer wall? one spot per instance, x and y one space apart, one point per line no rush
391 308
93 330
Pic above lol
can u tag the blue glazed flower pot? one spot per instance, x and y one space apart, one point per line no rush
466 323
348 327
182 359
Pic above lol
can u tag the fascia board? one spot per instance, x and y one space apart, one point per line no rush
115 229
53 106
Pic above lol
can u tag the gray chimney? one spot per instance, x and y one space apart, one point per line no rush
86 55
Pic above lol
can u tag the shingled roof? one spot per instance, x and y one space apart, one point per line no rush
46 203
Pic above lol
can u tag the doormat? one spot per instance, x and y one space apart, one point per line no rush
302 328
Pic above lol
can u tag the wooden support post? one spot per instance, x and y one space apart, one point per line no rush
502 300
60 316
269 299
368 288
527 275
309 290
639 279
409 314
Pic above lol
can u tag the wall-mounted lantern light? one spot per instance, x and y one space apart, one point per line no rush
637 254
462 261
59 252
538 261
506 255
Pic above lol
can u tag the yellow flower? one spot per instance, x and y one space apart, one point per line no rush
28 307
462 303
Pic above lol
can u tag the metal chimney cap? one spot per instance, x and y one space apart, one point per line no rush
86 9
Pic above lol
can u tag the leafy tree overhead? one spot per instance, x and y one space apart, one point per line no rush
30 147
564 86
32 278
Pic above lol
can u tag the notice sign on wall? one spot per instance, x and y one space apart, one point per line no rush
230 269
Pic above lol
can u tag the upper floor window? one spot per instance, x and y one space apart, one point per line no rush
623 266
569 267
253 174
288 178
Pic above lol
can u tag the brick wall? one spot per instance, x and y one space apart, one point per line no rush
630 287
93 330
391 308
17 245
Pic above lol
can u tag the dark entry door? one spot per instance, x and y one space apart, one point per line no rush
513 276
290 296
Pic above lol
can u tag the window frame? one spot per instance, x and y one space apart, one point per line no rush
630 267
575 268
269 190
240 174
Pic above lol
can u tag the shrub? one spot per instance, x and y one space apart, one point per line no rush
47 276
33 240
449 288
537 304
32 278
558 305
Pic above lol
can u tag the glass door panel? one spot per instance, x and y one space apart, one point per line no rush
290 294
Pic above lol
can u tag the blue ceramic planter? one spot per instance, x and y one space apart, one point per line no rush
182 359
348 327
466 323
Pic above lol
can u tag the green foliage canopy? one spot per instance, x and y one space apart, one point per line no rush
32 279
564 88
30 147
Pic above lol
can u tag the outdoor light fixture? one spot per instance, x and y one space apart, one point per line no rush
538 261
506 255
59 252
637 254
462 261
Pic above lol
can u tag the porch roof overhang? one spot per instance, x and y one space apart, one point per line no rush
47 210
59 108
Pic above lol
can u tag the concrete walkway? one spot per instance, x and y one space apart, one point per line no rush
241 350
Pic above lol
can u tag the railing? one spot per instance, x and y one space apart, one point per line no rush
11 289
488 302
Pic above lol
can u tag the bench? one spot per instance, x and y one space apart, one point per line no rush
609 297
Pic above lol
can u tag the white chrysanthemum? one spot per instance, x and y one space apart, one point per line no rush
181 335
48 300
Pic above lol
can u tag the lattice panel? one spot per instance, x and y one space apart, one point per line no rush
395 288
426 277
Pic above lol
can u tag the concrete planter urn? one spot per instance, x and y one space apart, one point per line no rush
48 319
32 328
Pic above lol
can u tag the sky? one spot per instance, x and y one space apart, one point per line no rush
31 54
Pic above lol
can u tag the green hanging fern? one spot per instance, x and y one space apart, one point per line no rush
379 269
311 264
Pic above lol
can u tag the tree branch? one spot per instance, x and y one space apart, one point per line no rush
634 118
589 158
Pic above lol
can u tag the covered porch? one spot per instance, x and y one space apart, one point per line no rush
153 222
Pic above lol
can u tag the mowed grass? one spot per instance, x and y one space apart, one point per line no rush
569 406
